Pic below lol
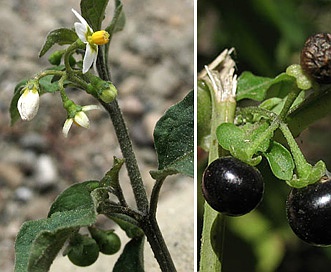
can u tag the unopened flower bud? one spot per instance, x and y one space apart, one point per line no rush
108 94
28 103
303 81
105 90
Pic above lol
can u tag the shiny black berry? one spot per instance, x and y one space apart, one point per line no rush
315 57
232 187
309 213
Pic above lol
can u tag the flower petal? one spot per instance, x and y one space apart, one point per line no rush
28 104
91 54
81 119
80 18
67 126
81 31
91 107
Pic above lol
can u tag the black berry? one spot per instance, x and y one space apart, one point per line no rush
309 213
315 57
232 187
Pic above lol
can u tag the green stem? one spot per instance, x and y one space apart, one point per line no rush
289 102
267 134
108 209
303 168
158 245
124 140
127 151
148 223
155 196
213 222
49 73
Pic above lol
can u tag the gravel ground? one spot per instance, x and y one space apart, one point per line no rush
151 64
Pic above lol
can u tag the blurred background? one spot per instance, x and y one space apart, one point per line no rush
267 37
151 62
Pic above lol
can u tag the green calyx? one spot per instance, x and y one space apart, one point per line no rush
72 108
101 89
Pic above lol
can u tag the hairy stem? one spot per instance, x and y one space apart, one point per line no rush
125 143
158 245
155 196
148 223
289 102
127 151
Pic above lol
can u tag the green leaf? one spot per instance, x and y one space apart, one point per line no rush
254 131
14 114
229 135
240 141
118 21
59 36
132 257
47 85
128 224
280 161
76 197
94 12
315 173
271 103
315 107
252 87
281 86
111 178
174 140
39 241
258 88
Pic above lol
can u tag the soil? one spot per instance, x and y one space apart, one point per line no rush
151 63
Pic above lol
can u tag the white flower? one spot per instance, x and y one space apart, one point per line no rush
28 103
91 39
80 118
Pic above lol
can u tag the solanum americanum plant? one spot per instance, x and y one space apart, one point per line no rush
238 137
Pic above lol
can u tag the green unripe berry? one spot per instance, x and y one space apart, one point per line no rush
82 250
55 58
109 243
303 81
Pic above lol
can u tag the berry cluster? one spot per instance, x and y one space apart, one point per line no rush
83 250
234 188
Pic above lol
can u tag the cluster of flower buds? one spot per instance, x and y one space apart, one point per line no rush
28 103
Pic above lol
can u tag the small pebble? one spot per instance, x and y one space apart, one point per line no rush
45 172
33 141
23 194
